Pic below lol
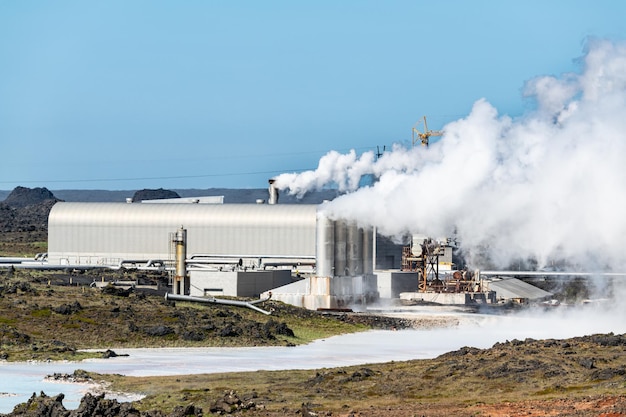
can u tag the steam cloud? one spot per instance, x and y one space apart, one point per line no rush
548 185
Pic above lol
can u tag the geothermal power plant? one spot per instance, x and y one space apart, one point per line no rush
293 253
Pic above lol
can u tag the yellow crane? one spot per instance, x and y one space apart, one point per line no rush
425 135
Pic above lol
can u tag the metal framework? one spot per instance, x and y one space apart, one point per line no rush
426 264
424 136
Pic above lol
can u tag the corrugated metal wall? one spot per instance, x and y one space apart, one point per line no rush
94 232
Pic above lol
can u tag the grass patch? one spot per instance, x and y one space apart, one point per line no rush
134 320
306 334
87 320
41 313
7 321
331 390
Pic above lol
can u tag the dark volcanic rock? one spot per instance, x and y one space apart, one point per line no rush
67 309
22 196
159 330
26 210
230 331
230 403
41 405
117 291
92 406
278 328
157 194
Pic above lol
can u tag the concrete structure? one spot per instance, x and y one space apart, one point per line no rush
236 283
454 298
515 289
344 269
318 293
391 283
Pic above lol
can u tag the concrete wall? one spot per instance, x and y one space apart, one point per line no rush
236 283
392 283
316 293
388 253
466 298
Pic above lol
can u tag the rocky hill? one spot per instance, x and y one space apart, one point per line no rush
22 196
158 194
26 210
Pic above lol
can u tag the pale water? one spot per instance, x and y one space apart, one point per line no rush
20 380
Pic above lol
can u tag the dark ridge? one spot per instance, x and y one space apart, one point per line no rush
151 194
231 195
26 210
22 197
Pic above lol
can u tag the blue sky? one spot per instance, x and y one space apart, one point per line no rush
198 94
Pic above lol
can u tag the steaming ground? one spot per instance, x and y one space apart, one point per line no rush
550 185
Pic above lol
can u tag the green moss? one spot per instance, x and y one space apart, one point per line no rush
41 313
87 320
7 321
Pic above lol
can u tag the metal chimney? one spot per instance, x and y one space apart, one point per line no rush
180 278
273 193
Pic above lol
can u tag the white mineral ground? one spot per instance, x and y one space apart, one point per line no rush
438 330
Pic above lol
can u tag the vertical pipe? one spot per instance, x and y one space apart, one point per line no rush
368 250
325 245
180 277
374 248
340 248
354 246
273 198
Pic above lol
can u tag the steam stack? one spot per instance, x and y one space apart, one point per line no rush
344 268
273 193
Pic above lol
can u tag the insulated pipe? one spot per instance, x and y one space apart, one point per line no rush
325 245
354 249
9 260
53 267
374 249
213 300
368 264
180 240
197 256
288 263
340 248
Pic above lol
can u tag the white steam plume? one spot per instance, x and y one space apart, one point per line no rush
549 185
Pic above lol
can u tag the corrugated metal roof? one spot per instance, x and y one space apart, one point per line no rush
142 230
213 199
514 288
205 214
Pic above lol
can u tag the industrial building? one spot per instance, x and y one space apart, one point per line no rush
229 249
291 252
125 233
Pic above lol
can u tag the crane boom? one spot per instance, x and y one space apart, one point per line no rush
425 135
